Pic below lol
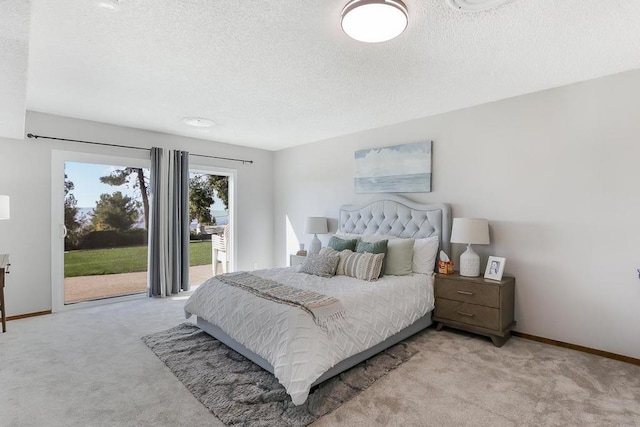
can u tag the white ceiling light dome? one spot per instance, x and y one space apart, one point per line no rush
198 122
475 5
374 21
109 4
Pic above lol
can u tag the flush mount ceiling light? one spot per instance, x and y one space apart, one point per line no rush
109 4
374 21
198 122
475 5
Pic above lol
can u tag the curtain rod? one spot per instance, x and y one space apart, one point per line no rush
30 135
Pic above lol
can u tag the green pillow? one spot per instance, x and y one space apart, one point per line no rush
379 247
399 257
341 244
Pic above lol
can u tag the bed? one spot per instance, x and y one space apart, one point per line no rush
285 341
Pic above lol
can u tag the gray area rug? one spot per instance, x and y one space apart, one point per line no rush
240 393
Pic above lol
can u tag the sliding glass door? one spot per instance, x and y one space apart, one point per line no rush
210 210
100 208
100 214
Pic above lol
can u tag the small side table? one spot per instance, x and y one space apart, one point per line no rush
295 260
2 306
476 305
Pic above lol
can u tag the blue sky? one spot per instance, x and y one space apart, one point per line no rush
88 188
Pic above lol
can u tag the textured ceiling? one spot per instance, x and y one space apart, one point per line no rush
274 74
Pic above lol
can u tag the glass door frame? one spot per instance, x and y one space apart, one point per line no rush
232 174
130 158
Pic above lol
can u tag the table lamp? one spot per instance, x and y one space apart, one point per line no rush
470 231
315 225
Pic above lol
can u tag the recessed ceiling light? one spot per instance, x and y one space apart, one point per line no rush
198 122
374 21
475 5
109 4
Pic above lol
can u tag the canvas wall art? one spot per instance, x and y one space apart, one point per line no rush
404 168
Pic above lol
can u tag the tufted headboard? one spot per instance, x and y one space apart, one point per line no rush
398 216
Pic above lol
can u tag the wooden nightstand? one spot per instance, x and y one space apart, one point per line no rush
476 305
296 260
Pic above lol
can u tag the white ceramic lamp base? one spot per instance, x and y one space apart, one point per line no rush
469 263
315 246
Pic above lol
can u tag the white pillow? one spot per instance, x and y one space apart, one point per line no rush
425 252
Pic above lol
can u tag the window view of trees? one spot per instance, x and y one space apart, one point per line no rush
202 189
136 179
72 219
120 218
106 213
115 212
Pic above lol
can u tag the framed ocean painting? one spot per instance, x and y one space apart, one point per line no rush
404 168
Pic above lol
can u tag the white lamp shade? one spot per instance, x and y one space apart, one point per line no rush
315 225
374 21
470 230
4 207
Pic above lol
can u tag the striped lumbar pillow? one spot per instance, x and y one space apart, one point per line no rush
363 266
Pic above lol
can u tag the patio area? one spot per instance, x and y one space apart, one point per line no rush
87 288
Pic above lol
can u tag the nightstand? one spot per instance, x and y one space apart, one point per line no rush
296 260
476 305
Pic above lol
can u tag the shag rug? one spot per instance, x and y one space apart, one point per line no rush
240 393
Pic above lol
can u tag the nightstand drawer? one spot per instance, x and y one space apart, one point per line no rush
470 314
474 293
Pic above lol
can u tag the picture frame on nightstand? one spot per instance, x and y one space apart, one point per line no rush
495 268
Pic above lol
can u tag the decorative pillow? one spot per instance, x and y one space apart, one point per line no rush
363 266
379 247
341 244
324 265
328 251
399 257
347 236
376 237
425 252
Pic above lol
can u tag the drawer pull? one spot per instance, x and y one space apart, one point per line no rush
465 293
465 314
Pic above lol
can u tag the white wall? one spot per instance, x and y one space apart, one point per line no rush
25 175
556 173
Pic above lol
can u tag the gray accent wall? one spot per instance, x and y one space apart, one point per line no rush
555 172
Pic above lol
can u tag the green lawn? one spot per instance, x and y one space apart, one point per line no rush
123 260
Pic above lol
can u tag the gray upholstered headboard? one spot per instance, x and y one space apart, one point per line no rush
398 216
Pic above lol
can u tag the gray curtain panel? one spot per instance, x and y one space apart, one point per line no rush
169 222
155 188
179 224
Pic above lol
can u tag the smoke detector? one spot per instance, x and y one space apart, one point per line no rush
475 5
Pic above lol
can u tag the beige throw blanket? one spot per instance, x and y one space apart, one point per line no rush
327 312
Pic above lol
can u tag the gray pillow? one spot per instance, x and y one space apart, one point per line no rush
320 265
341 244
379 247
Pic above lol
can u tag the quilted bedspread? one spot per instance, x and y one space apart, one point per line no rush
287 337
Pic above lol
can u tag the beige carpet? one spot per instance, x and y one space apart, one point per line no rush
89 367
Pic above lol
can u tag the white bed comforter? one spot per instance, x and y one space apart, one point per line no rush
288 338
